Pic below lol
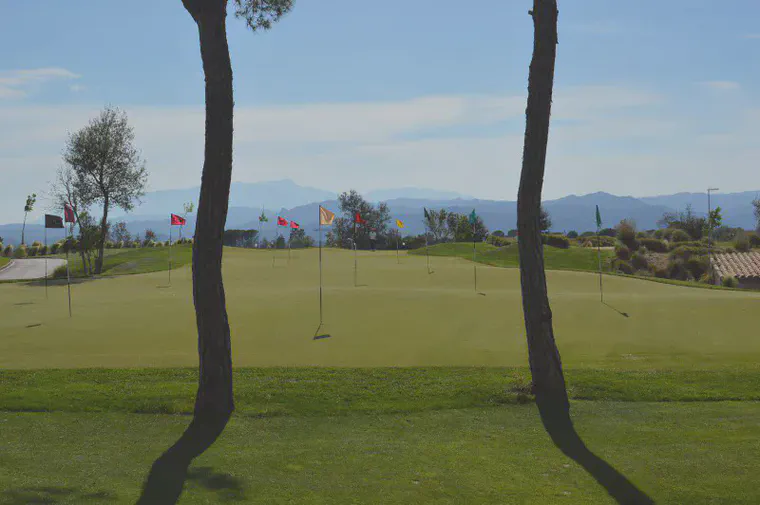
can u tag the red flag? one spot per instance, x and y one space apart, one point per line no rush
178 220
281 221
294 225
68 213
358 219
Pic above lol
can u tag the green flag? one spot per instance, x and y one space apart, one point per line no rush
473 217
598 218
263 218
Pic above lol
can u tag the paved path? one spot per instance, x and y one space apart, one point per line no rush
30 269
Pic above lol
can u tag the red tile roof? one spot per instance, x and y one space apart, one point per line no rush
739 265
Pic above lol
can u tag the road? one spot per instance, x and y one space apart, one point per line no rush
30 269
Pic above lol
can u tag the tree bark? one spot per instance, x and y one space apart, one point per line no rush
214 396
543 355
23 229
102 239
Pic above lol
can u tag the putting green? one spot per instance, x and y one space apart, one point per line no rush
399 315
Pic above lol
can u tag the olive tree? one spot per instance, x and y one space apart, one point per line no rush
108 168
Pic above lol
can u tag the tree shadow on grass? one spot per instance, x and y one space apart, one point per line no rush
170 471
51 495
555 416
227 487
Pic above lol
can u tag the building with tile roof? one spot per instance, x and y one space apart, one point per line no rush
744 266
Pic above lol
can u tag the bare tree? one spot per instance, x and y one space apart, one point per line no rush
108 168
214 401
64 191
756 210
543 355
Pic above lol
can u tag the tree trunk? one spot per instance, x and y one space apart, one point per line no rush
545 364
102 239
23 229
214 396
543 355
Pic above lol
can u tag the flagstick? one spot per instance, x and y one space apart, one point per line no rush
427 252
398 238
170 254
320 274
68 271
474 264
599 256
46 270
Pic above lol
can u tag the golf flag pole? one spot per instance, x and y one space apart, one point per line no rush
170 254
325 218
46 270
68 214
473 220
599 252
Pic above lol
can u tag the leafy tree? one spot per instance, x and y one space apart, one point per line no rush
686 220
280 242
344 228
626 233
64 191
497 233
108 168
572 234
28 207
462 231
214 402
87 240
120 233
543 355
187 208
240 238
297 237
150 236
545 220
436 222
512 233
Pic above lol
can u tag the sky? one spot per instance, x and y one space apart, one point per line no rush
650 97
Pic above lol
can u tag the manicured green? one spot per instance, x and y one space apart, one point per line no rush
573 258
698 453
135 261
4 261
398 316
331 391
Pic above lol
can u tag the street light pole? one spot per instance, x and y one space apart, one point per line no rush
709 231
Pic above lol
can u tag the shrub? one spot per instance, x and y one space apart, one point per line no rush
626 233
654 245
1 248
36 243
119 244
8 251
109 244
20 252
32 251
742 245
639 260
167 243
59 272
555 240
679 236
729 282
698 266
587 234
136 244
623 252
572 234
660 272
677 270
642 234
625 267
754 239
43 250
55 248
605 242
686 252
492 239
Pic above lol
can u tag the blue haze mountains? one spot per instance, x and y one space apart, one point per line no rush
300 203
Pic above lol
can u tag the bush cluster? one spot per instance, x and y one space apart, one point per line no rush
654 245
679 236
8 251
492 239
730 282
623 252
556 240
20 252
605 242
639 260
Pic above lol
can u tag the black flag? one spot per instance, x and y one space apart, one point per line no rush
53 221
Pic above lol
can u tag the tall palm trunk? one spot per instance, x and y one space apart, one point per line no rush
23 229
214 402
214 348
543 355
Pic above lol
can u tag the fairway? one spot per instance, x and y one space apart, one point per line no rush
399 315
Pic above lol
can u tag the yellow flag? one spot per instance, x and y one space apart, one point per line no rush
325 216
399 223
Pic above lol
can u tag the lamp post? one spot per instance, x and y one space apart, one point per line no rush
709 230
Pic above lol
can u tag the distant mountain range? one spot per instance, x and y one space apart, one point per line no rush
301 204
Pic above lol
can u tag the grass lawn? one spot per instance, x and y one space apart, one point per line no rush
668 393
574 258
4 261
398 316
135 261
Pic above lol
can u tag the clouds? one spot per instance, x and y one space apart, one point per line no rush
620 139
721 85
16 84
